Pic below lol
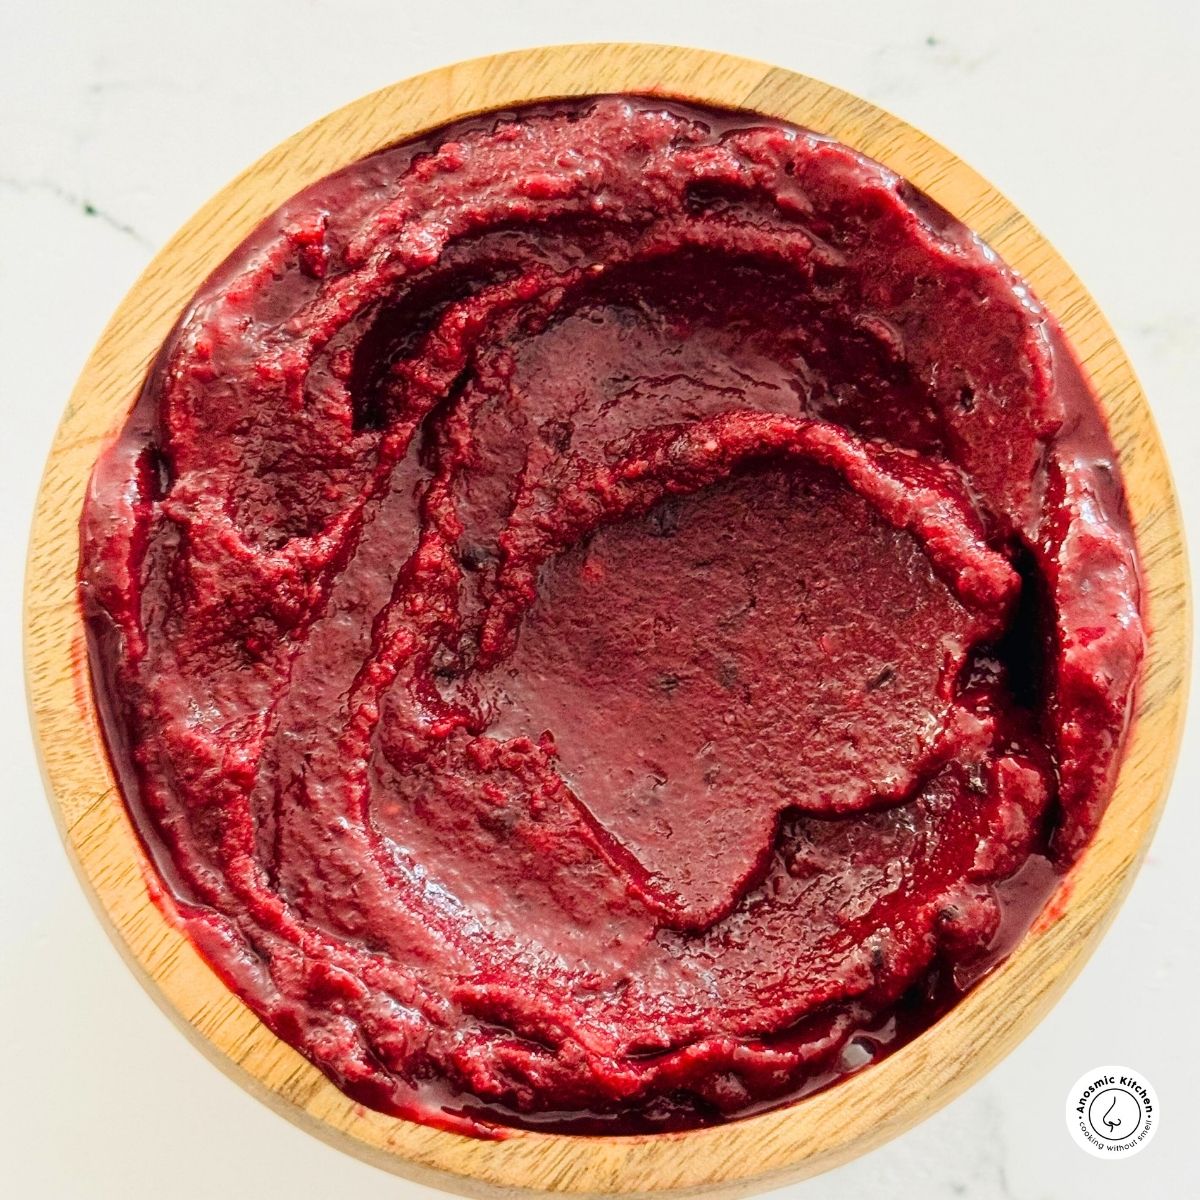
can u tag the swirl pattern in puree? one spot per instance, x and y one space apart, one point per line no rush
609 616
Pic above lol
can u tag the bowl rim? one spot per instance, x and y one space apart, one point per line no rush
757 1152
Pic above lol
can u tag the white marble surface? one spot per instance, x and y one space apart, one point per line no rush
119 117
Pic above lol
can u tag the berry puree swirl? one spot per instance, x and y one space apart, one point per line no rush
609 617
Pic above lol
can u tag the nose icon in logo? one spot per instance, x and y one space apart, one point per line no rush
1114 1113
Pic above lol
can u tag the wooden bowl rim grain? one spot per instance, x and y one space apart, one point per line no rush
756 1153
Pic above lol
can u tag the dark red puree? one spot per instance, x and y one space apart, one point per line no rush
610 616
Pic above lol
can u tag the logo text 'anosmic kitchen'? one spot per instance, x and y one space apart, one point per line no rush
1112 1112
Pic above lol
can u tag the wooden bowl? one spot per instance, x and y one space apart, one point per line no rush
763 1151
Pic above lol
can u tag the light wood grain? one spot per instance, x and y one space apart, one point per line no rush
747 1156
